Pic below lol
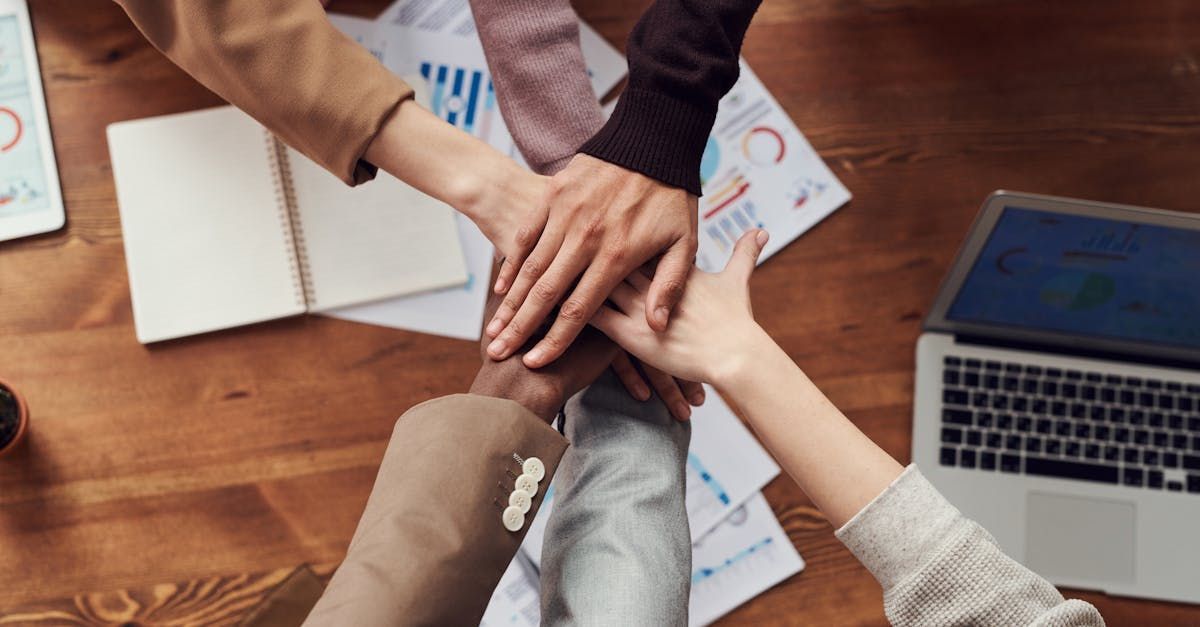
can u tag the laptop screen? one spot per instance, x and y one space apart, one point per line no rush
1086 276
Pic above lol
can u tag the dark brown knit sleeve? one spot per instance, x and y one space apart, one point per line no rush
683 57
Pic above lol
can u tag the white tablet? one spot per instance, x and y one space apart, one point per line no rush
30 196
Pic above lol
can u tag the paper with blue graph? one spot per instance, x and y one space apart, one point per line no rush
758 171
738 548
739 559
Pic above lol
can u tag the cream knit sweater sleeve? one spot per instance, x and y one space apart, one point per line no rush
938 567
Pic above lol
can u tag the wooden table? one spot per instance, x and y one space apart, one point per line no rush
221 462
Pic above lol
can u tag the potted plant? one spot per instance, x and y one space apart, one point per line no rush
14 418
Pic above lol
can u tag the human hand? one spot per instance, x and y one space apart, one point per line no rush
713 330
603 222
545 390
676 394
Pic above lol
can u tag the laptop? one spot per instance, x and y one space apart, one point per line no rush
1058 391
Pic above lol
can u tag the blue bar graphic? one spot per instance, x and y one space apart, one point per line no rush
709 480
476 79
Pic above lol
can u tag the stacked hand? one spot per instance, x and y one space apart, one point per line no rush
713 331
602 222
545 390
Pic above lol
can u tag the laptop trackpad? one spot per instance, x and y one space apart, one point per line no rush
1079 538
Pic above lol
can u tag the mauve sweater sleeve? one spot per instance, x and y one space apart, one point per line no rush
683 57
541 81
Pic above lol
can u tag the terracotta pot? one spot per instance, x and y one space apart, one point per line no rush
9 396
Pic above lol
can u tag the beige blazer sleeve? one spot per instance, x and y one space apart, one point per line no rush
431 546
283 63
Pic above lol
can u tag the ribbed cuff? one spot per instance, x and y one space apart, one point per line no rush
656 135
899 529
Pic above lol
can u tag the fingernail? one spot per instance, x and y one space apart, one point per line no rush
534 358
682 411
762 238
661 314
643 393
698 398
501 284
494 328
496 348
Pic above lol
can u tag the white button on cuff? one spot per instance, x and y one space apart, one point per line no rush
513 518
528 484
534 468
521 499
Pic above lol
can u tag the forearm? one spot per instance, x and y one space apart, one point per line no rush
532 50
838 466
284 64
417 147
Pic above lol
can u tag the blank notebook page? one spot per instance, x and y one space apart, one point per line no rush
204 241
377 240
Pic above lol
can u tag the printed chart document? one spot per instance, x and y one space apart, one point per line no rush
758 171
745 555
725 466
516 601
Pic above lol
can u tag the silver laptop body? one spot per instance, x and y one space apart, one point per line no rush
1057 393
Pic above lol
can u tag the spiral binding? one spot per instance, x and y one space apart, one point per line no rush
289 219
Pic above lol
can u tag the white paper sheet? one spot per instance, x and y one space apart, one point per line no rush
726 466
758 170
515 602
738 560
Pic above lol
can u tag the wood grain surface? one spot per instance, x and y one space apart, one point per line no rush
221 462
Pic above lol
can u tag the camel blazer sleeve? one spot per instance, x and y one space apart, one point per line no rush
431 546
287 66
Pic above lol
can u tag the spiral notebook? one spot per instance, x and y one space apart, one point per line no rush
224 226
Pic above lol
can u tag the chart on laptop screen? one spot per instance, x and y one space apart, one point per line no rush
23 185
1086 276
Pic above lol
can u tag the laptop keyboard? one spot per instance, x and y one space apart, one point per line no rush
1068 424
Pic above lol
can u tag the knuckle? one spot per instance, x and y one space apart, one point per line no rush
526 237
573 311
595 227
553 344
510 304
533 268
673 288
516 330
544 293
615 254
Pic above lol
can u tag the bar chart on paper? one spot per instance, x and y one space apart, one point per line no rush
744 555
466 98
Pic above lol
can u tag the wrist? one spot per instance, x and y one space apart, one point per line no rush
743 364
541 401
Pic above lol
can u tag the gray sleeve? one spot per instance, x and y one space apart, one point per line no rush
618 550
938 567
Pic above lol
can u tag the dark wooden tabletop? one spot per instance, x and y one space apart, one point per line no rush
178 482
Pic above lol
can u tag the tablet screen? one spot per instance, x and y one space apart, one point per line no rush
23 186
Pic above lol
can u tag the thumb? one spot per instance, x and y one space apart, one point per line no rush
745 255
667 286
